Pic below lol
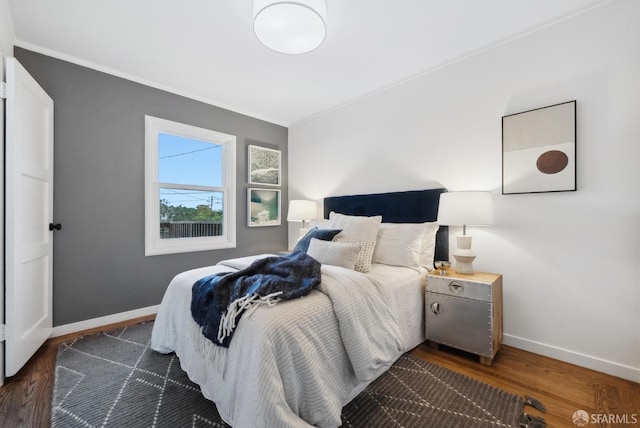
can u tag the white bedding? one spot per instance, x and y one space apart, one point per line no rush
299 362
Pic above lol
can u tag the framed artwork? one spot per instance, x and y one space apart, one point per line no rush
539 150
263 207
264 166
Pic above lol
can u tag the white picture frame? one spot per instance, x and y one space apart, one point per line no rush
265 166
263 207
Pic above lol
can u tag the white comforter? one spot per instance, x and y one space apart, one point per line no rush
293 364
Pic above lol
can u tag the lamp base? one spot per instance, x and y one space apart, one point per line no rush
303 231
464 264
463 255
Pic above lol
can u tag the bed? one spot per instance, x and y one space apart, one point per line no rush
297 363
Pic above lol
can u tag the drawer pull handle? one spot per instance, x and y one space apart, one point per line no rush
456 287
435 308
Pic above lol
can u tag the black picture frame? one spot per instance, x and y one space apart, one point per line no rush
539 150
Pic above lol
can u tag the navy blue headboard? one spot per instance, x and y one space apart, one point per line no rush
414 206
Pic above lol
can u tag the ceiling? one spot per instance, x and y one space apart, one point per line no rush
206 49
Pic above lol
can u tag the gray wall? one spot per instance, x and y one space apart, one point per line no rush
99 263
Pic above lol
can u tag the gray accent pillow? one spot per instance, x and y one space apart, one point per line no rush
334 253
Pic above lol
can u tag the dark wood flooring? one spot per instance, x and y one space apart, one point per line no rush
25 399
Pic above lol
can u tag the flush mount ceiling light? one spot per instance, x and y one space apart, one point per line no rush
290 27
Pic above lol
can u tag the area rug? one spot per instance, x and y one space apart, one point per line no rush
114 379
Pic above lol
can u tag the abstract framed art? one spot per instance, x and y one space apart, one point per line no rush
263 207
264 166
539 150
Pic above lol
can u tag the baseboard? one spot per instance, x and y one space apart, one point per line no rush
99 322
582 360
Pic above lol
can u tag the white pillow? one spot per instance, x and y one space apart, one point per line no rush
400 244
364 255
427 253
334 253
360 228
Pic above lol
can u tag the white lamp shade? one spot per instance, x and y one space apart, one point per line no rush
290 27
469 208
302 210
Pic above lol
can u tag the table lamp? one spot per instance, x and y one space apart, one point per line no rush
466 208
301 210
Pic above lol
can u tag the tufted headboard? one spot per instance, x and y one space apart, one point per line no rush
414 206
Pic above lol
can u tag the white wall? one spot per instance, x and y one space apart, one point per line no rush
7 38
7 34
571 260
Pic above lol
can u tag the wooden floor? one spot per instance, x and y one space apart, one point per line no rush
25 399
563 388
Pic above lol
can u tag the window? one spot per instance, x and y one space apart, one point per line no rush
189 188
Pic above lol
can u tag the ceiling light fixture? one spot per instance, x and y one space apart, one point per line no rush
290 27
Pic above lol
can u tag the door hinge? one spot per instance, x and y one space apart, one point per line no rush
2 332
3 90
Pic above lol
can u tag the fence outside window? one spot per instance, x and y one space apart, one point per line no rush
189 229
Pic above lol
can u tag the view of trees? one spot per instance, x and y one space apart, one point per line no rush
174 213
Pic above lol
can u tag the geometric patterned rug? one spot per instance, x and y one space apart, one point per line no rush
114 379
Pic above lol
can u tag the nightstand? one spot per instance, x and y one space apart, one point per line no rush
465 312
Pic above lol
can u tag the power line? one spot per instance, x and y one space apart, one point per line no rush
188 200
188 153
192 198
200 192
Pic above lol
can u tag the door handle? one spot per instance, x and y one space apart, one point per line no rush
56 226
435 308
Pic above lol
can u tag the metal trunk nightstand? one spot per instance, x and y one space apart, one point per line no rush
465 312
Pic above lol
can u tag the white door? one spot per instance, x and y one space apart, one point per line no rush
29 211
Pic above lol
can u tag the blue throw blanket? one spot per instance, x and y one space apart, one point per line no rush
218 301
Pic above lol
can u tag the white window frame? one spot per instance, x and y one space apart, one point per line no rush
153 244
